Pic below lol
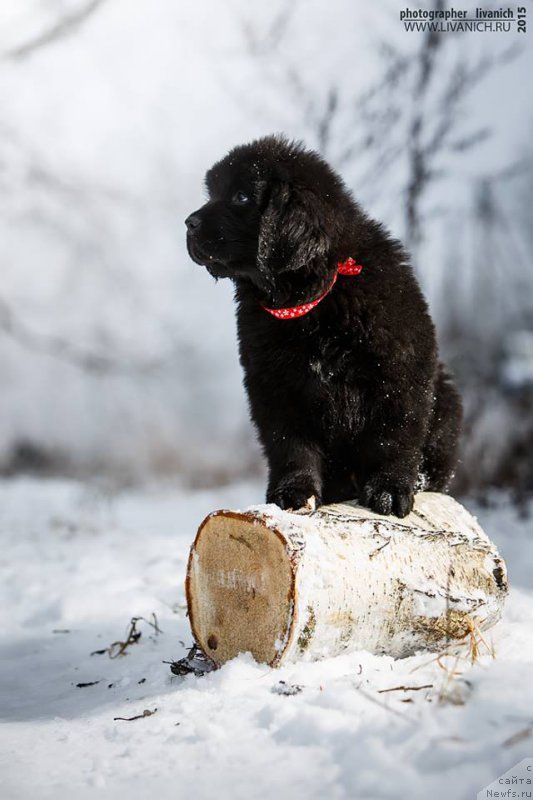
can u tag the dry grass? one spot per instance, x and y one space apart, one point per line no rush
467 649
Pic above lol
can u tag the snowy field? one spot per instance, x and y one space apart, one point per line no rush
79 561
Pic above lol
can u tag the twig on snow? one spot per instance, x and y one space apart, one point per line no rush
146 713
406 688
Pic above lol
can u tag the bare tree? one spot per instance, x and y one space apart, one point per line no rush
414 116
62 28
62 194
417 112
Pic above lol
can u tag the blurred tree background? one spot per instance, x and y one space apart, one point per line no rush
117 354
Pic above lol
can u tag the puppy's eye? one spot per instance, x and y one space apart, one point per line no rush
240 198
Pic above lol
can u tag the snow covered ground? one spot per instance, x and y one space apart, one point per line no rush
79 560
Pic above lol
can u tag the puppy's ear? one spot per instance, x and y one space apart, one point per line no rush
294 230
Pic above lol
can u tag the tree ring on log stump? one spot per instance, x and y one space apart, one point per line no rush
240 589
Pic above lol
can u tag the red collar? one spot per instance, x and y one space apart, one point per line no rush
348 267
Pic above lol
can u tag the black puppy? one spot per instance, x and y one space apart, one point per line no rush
337 345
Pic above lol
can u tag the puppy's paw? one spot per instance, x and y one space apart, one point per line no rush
294 492
384 496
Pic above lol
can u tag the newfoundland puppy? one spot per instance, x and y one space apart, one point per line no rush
338 349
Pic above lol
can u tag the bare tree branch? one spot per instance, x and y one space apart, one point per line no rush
418 168
267 43
92 361
63 28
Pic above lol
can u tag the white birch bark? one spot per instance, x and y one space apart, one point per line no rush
289 586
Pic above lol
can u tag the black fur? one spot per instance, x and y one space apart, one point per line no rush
351 399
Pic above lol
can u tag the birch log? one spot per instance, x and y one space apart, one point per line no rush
287 586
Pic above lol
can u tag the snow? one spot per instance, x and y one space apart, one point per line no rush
79 560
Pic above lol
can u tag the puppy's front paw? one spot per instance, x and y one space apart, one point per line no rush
384 496
294 492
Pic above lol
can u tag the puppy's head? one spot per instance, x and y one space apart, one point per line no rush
274 208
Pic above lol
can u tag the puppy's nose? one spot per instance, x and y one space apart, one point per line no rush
193 223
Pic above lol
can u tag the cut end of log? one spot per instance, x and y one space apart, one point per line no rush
285 586
240 589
